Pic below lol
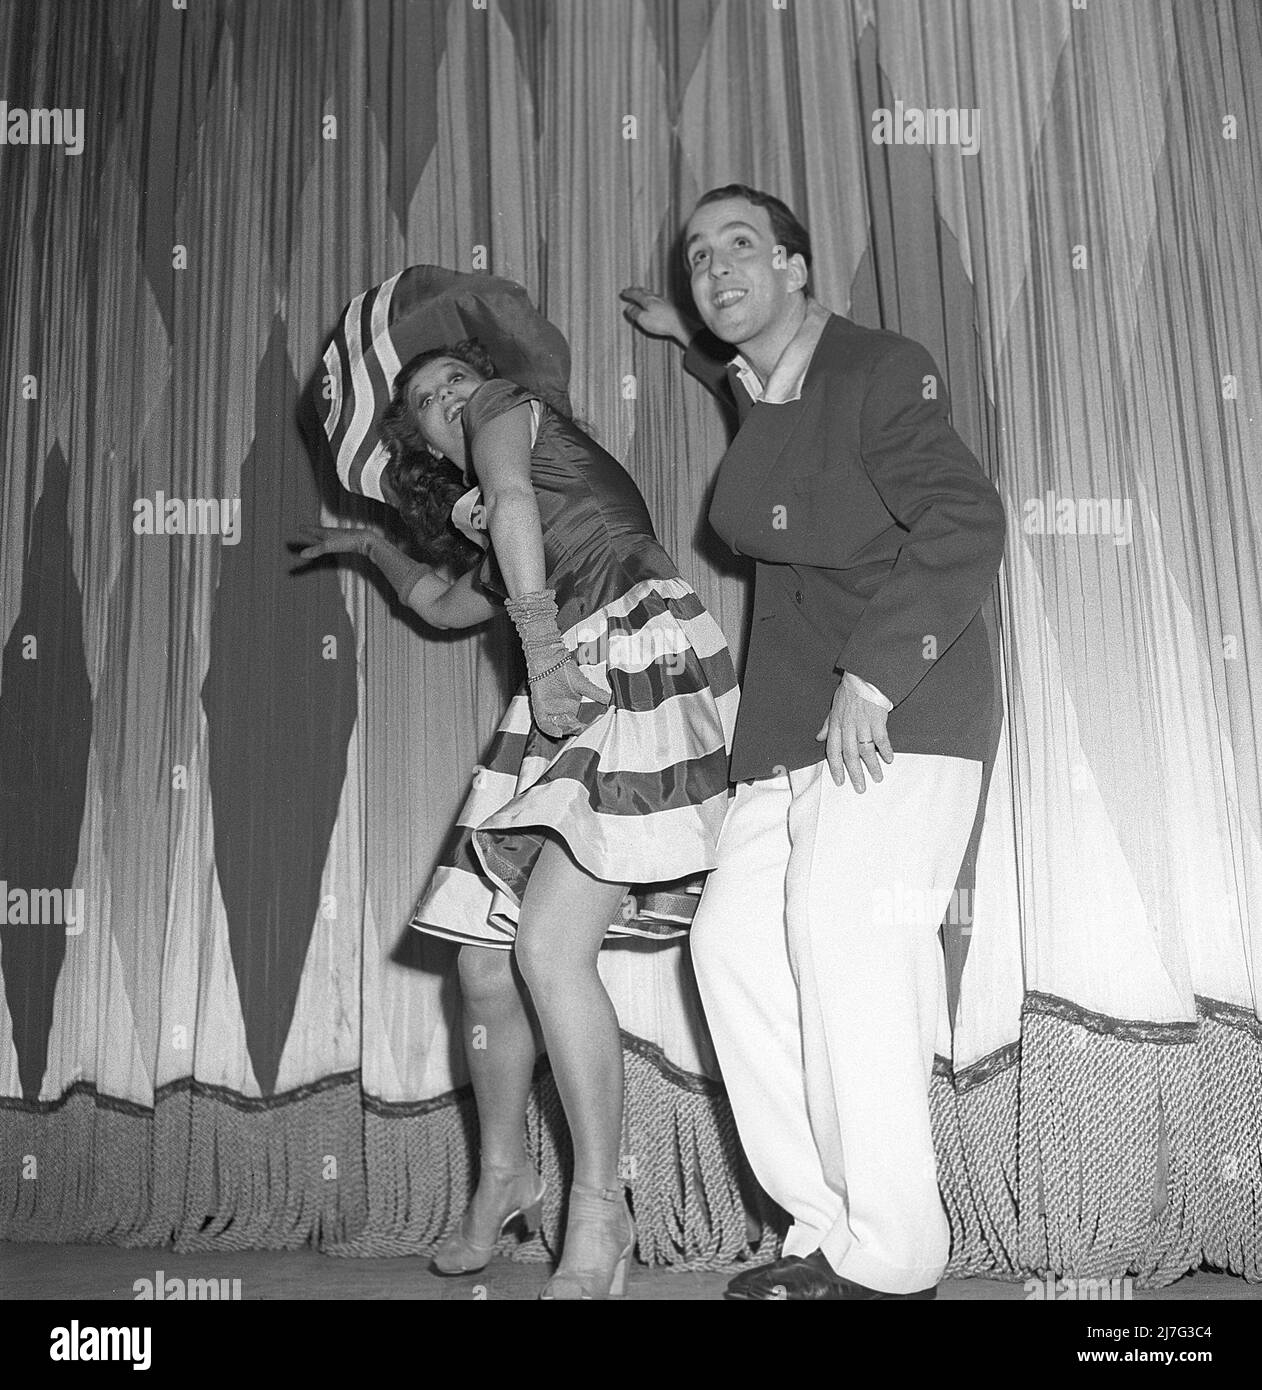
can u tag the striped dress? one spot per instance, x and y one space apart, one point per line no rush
640 793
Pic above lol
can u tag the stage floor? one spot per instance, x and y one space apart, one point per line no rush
106 1272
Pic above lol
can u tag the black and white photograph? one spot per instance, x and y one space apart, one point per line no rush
629 670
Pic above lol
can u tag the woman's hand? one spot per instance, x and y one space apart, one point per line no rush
334 540
556 699
557 686
406 575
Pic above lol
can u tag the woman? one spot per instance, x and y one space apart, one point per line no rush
608 770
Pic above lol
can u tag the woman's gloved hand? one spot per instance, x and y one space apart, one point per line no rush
555 699
557 687
333 540
400 569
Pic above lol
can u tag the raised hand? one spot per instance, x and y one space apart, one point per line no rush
657 317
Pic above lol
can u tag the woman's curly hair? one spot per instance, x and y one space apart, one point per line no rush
428 487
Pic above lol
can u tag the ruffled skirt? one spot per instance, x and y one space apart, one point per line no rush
638 795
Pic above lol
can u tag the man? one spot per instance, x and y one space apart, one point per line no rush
876 538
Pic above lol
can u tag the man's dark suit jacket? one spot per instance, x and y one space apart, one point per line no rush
877 537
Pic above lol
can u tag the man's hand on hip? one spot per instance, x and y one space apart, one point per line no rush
856 738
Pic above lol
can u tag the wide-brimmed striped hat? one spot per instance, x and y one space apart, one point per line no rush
420 308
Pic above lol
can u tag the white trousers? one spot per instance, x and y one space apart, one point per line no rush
817 958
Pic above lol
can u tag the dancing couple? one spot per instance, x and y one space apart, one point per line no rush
873 530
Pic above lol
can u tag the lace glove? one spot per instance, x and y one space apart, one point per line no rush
398 568
339 540
401 570
557 686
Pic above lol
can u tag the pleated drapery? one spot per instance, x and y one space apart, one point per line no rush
247 774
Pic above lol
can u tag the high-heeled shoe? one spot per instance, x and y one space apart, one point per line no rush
467 1251
599 1238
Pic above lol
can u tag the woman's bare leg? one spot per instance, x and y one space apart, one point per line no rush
565 914
499 1043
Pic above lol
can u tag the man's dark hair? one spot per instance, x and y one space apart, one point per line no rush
785 227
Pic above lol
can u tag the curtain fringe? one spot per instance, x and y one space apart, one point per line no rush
274 1178
198 1171
1097 1155
1102 1155
974 1132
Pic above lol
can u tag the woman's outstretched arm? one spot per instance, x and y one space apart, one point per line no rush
425 590
444 604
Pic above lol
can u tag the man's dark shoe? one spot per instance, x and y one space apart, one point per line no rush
797 1278
766 1281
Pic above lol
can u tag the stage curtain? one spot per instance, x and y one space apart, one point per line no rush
242 776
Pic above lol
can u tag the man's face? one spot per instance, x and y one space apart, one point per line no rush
742 282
